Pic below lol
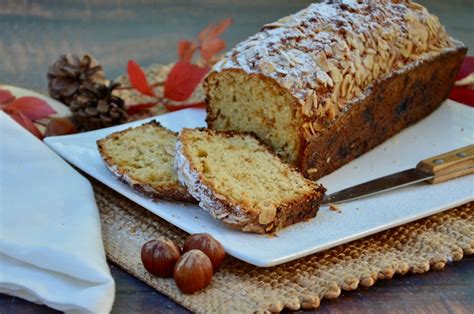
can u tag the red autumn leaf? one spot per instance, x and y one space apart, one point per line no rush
139 107
214 30
210 44
186 50
32 107
211 47
5 97
138 79
184 106
60 126
463 95
467 67
24 122
182 80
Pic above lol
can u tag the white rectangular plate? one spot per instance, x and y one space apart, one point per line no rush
447 128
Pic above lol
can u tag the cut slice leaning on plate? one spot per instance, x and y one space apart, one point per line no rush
240 182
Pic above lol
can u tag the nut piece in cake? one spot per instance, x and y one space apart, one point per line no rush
242 183
143 157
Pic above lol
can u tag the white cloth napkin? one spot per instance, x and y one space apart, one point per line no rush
51 249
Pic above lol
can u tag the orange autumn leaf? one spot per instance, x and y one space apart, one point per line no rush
186 50
25 110
138 79
212 47
182 80
5 97
210 44
32 107
60 126
171 108
214 30
133 109
23 120
184 76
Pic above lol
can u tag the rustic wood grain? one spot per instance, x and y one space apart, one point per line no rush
448 291
34 33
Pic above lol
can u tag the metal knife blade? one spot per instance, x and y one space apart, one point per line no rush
383 184
440 168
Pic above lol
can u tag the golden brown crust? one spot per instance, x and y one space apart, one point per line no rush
171 192
239 215
393 104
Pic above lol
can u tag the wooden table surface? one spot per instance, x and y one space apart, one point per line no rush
34 33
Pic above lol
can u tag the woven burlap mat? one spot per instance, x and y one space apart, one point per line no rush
240 287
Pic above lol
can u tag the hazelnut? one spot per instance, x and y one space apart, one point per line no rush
193 271
160 256
210 246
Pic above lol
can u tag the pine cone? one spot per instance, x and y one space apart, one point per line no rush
69 72
94 107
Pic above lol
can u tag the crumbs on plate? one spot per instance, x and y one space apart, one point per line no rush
335 208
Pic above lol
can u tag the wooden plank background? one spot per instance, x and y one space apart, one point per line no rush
34 33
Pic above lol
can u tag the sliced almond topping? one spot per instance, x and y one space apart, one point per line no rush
371 51
308 104
383 44
345 84
267 215
262 51
323 78
318 127
331 113
369 61
357 91
376 70
335 74
267 67
322 61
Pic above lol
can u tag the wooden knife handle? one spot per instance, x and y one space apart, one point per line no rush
450 165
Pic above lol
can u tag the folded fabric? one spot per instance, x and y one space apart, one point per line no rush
51 249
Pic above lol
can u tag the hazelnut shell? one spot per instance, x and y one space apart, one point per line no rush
160 256
193 271
210 246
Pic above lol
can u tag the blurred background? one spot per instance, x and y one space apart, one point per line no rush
34 33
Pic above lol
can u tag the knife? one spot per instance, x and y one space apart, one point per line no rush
447 166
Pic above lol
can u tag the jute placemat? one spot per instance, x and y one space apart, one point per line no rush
242 288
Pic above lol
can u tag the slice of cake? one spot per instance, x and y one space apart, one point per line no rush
240 182
143 157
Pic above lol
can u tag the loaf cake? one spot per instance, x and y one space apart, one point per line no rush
242 183
332 81
143 157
